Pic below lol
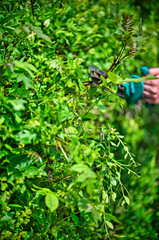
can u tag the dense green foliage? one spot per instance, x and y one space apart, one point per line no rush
66 149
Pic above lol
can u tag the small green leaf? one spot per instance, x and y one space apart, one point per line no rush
31 172
26 66
75 218
64 113
127 200
79 167
110 224
113 181
25 137
7 217
82 177
105 196
112 76
113 196
18 104
51 201
113 144
27 81
100 105
40 216
39 32
88 116
81 85
12 205
111 217
95 215
6 19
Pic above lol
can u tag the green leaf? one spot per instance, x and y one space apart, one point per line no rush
64 113
56 64
111 217
27 81
38 31
51 201
105 196
31 67
112 76
100 105
84 205
92 91
31 172
127 200
113 181
90 173
113 196
79 167
89 186
77 61
7 217
75 219
95 215
81 85
8 18
26 66
18 104
81 178
40 216
110 224
20 162
88 116
25 137
12 205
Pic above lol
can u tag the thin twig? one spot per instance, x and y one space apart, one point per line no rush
32 7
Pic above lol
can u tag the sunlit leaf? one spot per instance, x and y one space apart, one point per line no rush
51 201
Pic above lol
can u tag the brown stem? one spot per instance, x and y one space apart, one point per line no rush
116 64
126 59
61 179
117 60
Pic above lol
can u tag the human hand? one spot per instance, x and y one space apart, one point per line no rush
151 88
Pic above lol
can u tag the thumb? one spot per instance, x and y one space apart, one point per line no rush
154 71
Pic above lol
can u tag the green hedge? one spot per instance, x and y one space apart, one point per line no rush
65 165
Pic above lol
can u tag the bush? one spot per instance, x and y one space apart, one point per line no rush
62 156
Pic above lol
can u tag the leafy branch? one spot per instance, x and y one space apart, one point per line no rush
129 42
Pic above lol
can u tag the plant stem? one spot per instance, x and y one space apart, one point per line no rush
90 108
32 8
117 59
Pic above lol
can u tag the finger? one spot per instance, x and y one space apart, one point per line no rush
154 82
154 71
148 100
149 95
147 88
151 89
151 101
148 82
